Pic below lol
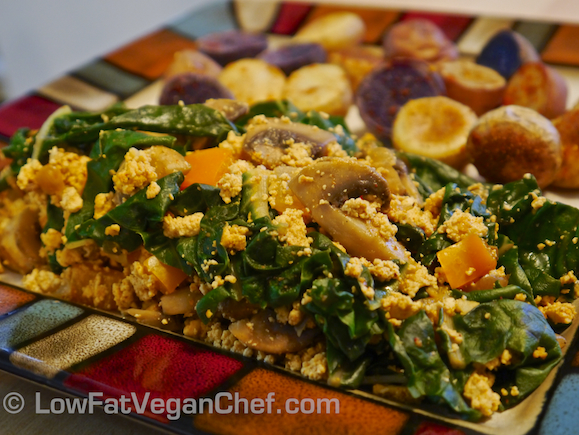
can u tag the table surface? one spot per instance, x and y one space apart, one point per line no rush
29 422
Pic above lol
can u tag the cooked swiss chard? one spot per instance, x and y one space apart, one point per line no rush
314 250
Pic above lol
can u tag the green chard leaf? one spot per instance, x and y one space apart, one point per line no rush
504 324
415 346
107 155
433 174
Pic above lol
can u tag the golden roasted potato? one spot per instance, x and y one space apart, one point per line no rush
479 87
322 87
568 127
333 31
511 141
357 61
253 80
539 87
435 127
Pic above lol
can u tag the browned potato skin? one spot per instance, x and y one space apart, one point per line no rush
511 141
357 61
481 98
419 39
568 127
539 87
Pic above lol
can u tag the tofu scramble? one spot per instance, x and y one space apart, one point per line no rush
298 245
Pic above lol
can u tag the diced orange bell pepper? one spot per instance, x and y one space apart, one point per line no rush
169 276
207 166
466 261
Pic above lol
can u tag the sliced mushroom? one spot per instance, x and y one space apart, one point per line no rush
231 109
181 301
235 310
266 143
263 333
166 161
325 185
394 171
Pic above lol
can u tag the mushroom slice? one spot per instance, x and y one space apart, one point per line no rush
263 333
266 143
325 185
231 109
394 171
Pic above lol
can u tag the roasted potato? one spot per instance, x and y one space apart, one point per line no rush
511 141
568 127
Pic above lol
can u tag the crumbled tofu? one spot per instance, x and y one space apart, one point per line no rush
292 228
506 357
182 226
98 292
480 190
71 200
296 315
135 172
153 190
41 281
310 362
538 201
315 368
568 278
384 270
334 149
478 390
282 314
359 208
540 352
26 179
233 237
399 306
280 195
218 281
103 203
415 278
113 230
52 239
461 224
124 294
386 229
72 167
230 185
297 155
521 297
145 284
234 143
405 210
354 267
559 312
433 203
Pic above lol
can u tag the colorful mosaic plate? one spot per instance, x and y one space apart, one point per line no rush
78 350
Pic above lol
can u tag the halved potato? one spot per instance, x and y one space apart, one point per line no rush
477 86
333 31
511 141
539 87
568 127
322 87
435 127
253 80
